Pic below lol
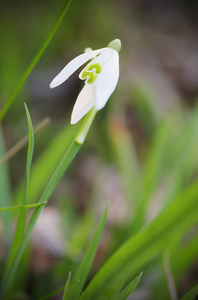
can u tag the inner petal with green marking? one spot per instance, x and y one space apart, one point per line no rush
91 72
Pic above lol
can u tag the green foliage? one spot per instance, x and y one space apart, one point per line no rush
157 176
129 289
86 263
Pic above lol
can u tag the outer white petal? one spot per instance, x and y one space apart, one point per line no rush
104 57
84 103
106 81
72 66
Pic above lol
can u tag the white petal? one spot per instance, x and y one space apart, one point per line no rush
84 103
106 81
72 66
104 57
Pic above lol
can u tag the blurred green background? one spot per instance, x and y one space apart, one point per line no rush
145 138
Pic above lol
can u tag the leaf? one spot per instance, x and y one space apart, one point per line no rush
5 197
67 287
21 220
129 289
170 225
191 294
86 263
52 294
22 206
151 174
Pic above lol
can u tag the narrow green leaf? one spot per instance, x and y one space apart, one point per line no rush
67 287
34 61
21 220
170 225
151 174
191 294
86 263
21 206
5 197
52 294
129 289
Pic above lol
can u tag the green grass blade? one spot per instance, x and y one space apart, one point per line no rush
151 174
170 225
86 263
34 61
5 197
52 294
21 206
129 289
191 294
67 287
21 220
66 160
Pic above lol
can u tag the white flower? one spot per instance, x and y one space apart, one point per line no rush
100 75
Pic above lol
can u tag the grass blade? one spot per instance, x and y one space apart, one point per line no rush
129 289
67 287
21 206
170 225
151 174
86 263
21 220
52 294
5 197
34 61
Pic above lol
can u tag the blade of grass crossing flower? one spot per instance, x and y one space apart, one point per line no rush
5 198
191 294
129 289
34 61
21 220
168 227
67 287
66 160
86 263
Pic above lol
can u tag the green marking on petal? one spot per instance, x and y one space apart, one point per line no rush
90 72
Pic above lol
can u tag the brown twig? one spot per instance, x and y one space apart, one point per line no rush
12 151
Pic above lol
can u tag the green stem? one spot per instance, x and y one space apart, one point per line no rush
34 61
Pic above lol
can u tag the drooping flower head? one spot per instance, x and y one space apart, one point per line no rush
100 75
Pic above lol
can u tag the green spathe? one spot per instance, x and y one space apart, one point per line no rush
115 44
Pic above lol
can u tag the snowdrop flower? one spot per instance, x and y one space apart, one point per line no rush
100 75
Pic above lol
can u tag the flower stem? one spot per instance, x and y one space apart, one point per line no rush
80 137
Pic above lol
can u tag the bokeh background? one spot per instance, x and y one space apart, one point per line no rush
158 81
